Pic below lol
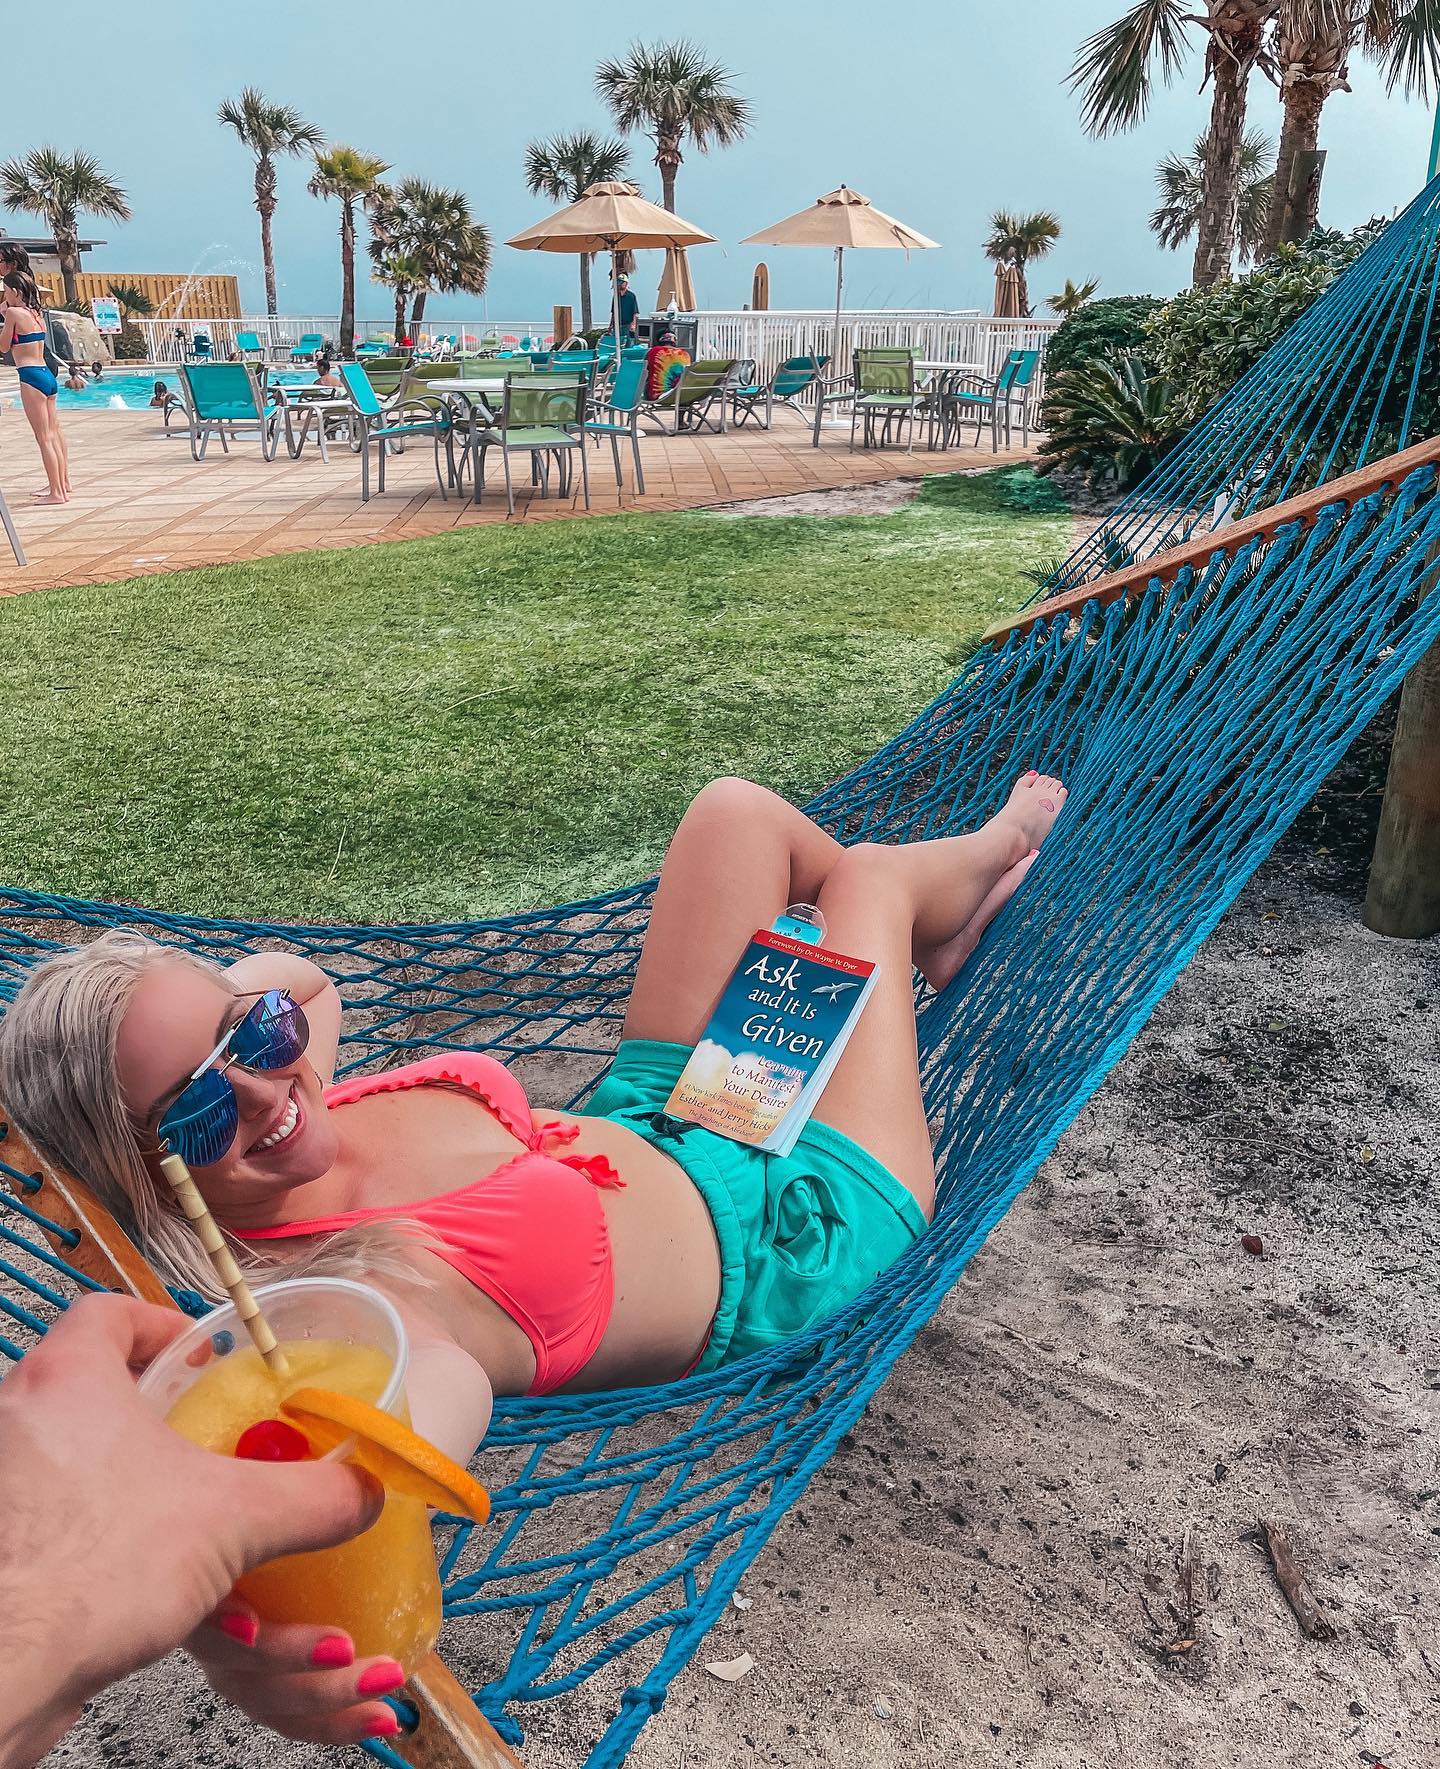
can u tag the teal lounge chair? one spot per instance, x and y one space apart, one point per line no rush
309 343
795 376
248 344
224 398
619 414
389 426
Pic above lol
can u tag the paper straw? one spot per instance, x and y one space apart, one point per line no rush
197 1213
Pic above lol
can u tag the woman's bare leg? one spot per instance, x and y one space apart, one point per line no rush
36 411
741 854
62 451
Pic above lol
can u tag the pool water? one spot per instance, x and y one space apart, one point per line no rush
133 392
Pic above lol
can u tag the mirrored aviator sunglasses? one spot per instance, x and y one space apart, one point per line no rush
201 1124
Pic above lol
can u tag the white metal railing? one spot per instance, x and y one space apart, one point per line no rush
173 340
767 338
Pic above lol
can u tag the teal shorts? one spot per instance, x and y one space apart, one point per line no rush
800 1234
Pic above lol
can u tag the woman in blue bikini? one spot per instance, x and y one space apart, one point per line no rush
22 332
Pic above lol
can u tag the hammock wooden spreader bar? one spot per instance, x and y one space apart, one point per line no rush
1161 568
450 1731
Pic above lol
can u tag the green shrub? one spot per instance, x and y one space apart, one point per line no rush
129 345
1105 329
1022 488
1206 339
1111 421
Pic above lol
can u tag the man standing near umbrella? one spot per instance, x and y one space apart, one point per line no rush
628 307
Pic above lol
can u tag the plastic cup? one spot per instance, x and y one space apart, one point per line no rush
381 1587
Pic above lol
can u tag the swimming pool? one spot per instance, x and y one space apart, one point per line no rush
132 392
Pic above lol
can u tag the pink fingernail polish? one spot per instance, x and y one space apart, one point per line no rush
332 1653
242 1628
382 1679
386 1728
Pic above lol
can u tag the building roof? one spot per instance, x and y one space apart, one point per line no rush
45 244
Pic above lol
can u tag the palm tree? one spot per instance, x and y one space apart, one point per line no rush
268 130
1072 297
1017 239
1311 48
60 186
350 176
132 300
673 94
1181 183
1115 71
423 237
562 169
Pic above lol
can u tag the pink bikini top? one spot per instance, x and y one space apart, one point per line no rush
532 1235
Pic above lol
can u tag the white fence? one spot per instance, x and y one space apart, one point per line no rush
172 340
768 338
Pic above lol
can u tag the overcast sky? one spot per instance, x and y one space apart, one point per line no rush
938 110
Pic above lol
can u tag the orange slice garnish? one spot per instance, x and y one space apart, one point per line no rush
400 1460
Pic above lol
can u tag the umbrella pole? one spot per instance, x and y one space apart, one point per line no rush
839 291
615 301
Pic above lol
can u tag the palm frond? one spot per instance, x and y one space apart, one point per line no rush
673 87
1404 38
1115 68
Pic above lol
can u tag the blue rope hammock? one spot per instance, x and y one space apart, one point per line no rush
1192 722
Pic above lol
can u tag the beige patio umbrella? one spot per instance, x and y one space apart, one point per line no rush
610 218
676 283
1008 304
846 221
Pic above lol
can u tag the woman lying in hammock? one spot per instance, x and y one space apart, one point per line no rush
529 1250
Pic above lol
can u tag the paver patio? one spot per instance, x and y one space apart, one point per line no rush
142 506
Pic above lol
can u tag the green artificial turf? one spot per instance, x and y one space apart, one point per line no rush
497 719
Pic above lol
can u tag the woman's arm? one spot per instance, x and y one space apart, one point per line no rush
309 987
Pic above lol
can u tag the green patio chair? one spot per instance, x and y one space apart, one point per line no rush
795 376
618 414
540 416
225 398
698 396
840 389
387 427
885 393
390 376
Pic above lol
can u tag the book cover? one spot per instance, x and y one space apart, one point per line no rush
779 1028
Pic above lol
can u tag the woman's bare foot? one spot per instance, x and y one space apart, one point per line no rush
1035 801
940 964
49 497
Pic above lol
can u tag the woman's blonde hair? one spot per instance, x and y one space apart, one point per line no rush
58 1081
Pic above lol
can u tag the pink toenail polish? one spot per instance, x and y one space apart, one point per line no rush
1033 774
382 1679
386 1727
332 1653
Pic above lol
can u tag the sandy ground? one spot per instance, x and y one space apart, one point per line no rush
989 1571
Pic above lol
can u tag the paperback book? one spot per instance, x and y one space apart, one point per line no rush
774 1039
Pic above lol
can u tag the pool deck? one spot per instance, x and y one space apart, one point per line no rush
142 506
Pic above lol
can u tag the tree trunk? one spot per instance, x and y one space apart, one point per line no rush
417 313
667 158
265 203
1237 38
1403 899
1299 133
400 293
67 250
347 276
586 259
